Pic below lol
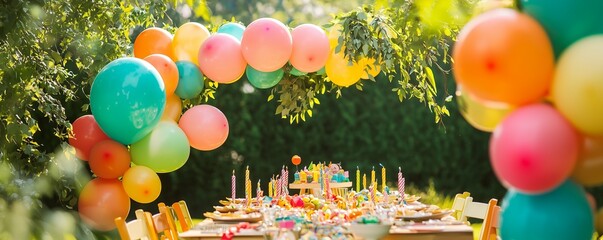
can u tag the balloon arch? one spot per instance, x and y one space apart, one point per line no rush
532 76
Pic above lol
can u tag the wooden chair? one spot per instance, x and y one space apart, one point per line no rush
140 228
459 205
489 212
163 222
183 215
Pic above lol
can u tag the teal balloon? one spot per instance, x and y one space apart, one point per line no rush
566 21
190 80
234 29
563 213
322 71
263 80
127 99
296 72
165 149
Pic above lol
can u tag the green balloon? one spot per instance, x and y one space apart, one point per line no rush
566 21
190 80
263 80
165 149
234 29
127 99
296 72
322 71
563 213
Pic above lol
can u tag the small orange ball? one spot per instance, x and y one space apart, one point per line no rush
296 160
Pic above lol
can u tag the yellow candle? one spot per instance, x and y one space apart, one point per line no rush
373 176
270 188
357 179
303 177
247 184
364 181
315 176
383 176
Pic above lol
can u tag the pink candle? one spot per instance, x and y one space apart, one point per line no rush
234 186
400 184
282 181
259 193
327 186
372 192
286 182
279 186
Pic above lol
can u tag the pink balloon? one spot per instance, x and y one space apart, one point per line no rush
266 44
534 149
205 126
220 58
310 48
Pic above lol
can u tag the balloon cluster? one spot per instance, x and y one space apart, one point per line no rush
136 102
534 77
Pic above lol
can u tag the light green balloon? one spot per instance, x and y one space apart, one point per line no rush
263 80
165 149
296 72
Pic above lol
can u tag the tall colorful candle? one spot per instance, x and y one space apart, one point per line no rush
270 188
279 186
327 186
372 192
281 192
383 177
364 181
234 186
258 192
357 179
373 176
286 182
400 184
247 185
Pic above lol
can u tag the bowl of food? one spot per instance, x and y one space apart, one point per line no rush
369 228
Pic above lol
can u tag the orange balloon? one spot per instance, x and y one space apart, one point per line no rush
109 159
167 69
267 44
340 72
205 126
173 108
310 48
589 168
101 201
296 160
221 60
142 184
151 41
504 56
187 41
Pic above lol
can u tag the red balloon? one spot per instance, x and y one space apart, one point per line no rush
220 58
205 126
534 149
267 44
109 159
86 133
101 201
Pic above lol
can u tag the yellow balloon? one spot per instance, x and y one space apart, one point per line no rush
173 108
340 72
142 184
187 41
589 168
369 67
483 115
577 89
487 5
333 35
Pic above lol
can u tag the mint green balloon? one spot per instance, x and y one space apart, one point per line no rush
263 80
190 80
165 149
127 99
563 213
296 72
321 71
566 21
234 29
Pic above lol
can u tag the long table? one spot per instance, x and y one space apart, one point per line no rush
444 232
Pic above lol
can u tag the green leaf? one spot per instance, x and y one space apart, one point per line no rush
431 78
270 97
309 112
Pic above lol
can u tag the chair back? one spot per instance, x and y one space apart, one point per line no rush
488 212
163 222
139 228
183 215
459 205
